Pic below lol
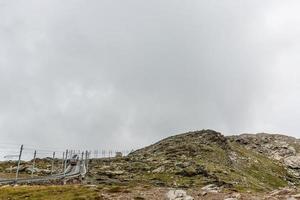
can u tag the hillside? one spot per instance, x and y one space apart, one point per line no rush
199 158
195 165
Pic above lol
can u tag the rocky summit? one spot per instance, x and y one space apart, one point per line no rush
247 162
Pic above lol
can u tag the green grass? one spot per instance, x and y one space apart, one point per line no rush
256 172
48 193
250 171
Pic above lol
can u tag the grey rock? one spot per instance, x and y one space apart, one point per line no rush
296 196
292 162
159 169
178 195
29 170
211 188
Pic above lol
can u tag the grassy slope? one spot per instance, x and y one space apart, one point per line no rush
250 170
48 193
247 171
254 171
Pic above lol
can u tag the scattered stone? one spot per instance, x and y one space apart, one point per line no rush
203 193
111 173
159 169
234 196
211 188
178 195
297 196
284 191
91 186
35 170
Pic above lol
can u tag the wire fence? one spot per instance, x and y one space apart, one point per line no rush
55 160
11 152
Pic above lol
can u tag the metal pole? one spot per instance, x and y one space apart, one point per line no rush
33 164
63 161
85 160
65 165
52 164
20 155
87 163
82 153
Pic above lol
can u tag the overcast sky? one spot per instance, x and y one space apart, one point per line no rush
125 73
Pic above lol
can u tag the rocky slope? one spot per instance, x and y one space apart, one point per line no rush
247 162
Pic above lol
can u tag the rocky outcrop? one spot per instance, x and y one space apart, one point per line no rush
276 146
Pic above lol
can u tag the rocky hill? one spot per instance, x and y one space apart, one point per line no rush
199 165
258 162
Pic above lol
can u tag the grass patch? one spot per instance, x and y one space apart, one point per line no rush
48 193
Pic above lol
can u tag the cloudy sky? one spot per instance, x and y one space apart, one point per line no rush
125 73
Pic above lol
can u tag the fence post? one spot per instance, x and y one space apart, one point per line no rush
87 163
33 164
52 164
19 161
65 165
85 160
63 162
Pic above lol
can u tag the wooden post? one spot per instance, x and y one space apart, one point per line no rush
33 164
52 164
19 161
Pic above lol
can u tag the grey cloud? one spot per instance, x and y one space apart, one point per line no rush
122 74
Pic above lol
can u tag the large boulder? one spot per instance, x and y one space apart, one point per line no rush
292 162
22 168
